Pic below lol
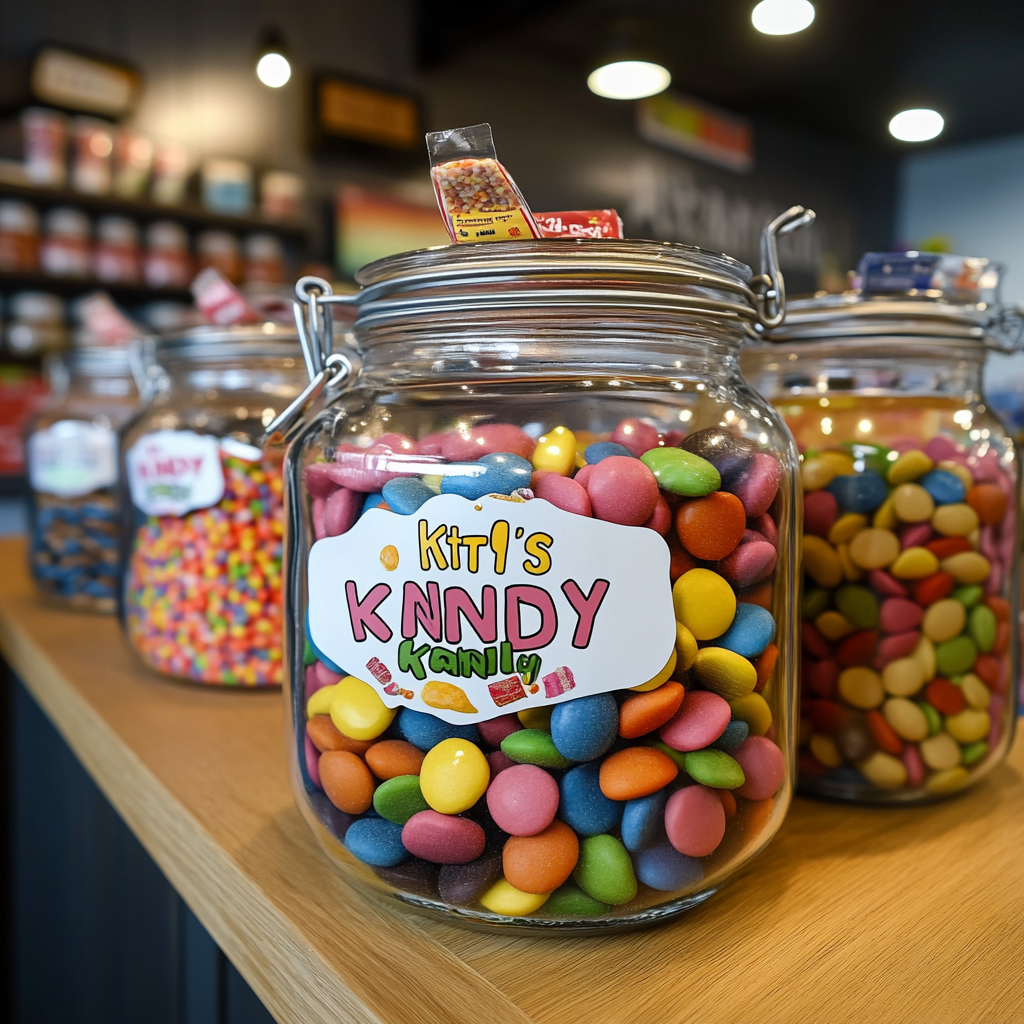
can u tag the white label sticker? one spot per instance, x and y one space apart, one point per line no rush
171 472
71 458
467 610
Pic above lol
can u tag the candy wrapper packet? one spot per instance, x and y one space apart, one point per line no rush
580 224
477 197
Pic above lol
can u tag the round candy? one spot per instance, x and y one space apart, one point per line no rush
821 562
605 871
376 842
523 800
585 728
454 775
556 452
710 527
570 901
643 820
399 798
967 567
404 495
681 472
601 450
704 603
695 821
494 730
564 493
729 454
645 712
541 863
969 725
906 718
346 780
940 752
958 520
883 770
913 504
757 484
898 615
583 806
730 675
443 838
635 772
700 721
714 768
903 677
909 466
390 758
426 731
862 687
357 711
764 768
485 439
861 493
508 901
622 490
752 630
944 487
944 620
533 746
820 512
637 436
914 564
662 867
874 549
462 884
989 502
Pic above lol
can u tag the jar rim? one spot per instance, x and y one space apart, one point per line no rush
216 341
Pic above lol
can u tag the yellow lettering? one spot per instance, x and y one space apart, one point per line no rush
430 545
473 545
499 545
454 540
537 545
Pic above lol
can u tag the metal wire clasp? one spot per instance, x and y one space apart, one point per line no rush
771 287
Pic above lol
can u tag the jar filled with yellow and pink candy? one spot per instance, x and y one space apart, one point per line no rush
911 542
202 536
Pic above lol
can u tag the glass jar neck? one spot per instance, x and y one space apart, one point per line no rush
203 376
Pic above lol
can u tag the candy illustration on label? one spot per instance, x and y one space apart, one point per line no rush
379 671
485 593
389 557
171 472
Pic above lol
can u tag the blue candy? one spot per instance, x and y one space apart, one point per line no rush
372 501
583 807
503 473
405 494
752 630
585 728
426 731
599 450
735 733
376 841
944 488
664 868
861 493
643 821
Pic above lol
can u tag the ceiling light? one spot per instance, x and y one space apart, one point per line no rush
629 79
272 66
917 125
782 17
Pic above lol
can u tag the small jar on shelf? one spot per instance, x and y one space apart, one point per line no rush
264 260
167 263
116 255
36 325
219 249
66 249
19 237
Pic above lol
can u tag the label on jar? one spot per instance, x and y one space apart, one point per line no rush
171 472
71 458
467 610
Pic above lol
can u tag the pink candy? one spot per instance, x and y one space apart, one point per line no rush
897 615
820 512
341 511
700 720
443 838
495 730
749 563
622 490
763 765
485 440
637 436
758 484
563 492
695 820
523 800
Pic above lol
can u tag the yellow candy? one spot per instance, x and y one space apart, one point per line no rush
320 702
940 752
874 548
704 603
944 620
861 687
909 466
833 626
509 901
913 504
686 647
825 750
729 674
556 452
454 775
924 655
883 770
914 564
885 518
821 562
357 711
962 473
948 781
903 677
753 709
845 528
969 725
955 520
535 718
433 482
975 692
850 571
906 718
967 567
817 473
446 697
661 677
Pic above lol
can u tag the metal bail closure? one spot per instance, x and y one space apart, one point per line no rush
770 286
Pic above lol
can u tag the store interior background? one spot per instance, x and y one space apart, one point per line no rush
819 103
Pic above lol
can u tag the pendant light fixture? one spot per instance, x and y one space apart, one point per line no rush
627 67
273 68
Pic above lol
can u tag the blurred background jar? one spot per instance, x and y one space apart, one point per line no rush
220 250
281 195
264 260
36 324
91 169
167 263
45 134
19 237
66 250
133 160
116 254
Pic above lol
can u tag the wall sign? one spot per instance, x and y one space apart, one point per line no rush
77 81
356 117
697 129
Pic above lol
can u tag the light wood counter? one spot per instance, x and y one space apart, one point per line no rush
851 914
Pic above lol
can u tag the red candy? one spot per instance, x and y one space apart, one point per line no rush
933 588
820 512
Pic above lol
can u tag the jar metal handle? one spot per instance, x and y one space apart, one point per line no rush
770 286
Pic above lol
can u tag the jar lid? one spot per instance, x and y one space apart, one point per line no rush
910 294
237 341
98 360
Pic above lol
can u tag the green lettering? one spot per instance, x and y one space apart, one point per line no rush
443 660
410 660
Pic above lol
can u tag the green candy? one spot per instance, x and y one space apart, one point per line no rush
814 601
533 746
308 654
859 605
934 718
956 656
604 871
974 752
873 456
981 624
571 901
968 596
714 768
682 472
677 755
399 798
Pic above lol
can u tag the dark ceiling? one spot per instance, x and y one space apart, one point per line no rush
860 62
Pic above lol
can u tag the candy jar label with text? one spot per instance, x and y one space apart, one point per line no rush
71 458
171 472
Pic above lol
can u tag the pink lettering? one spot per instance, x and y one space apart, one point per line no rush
517 596
420 610
363 614
586 608
484 622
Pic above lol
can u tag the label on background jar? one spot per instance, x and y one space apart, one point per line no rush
172 472
467 610
70 458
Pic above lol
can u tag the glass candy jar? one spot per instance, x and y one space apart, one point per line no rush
540 571
911 548
201 560
72 466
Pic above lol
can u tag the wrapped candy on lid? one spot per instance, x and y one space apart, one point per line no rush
969 278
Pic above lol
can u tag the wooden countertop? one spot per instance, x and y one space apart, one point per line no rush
850 915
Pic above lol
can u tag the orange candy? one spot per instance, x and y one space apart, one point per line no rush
883 733
933 588
944 696
346 781
765 665
999 606
635 772
681 561
541 863
646 712
988 501
728 802
390 758
946 546
712 526
760 595
325 736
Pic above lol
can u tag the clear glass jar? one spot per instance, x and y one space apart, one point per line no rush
72 467
911 548
201 559
530 540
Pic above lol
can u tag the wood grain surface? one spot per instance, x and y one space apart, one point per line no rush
852 915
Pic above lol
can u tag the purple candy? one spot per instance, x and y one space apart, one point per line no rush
940 448
523 800
758 484
443 838
498 762
897 615
748 564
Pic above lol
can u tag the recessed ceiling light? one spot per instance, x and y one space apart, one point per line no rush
917 125
629 79
782 17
